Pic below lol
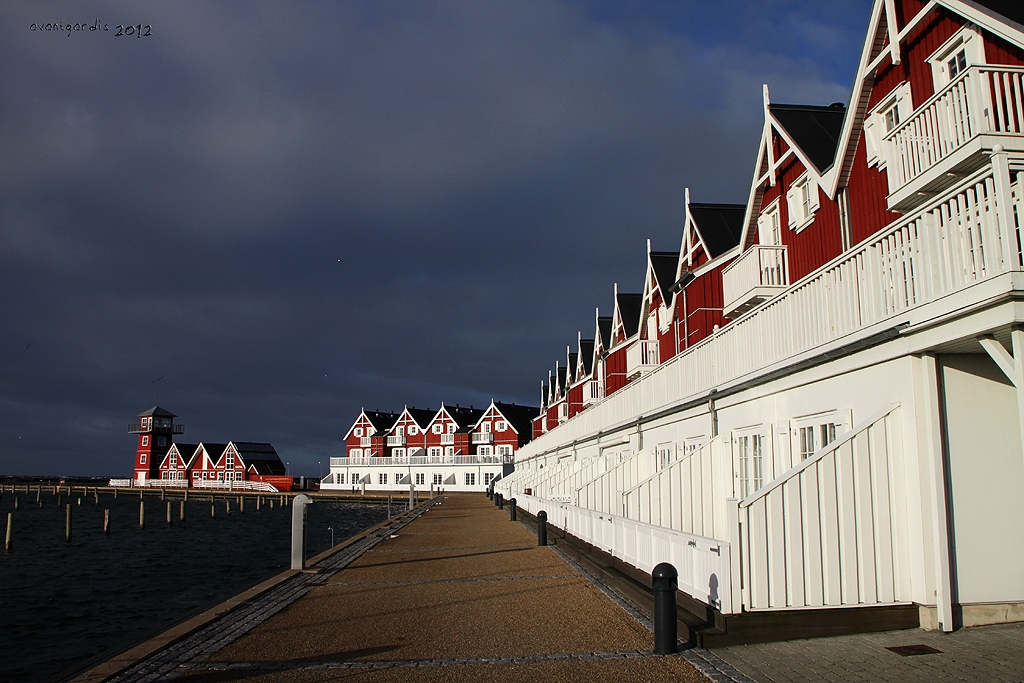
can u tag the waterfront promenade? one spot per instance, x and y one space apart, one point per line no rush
454 591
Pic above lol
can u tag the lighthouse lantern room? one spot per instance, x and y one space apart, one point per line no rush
156 430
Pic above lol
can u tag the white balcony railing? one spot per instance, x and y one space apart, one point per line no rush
396 440
425 460
447 439
759 273
642 357
592 392
364 441
984 99
482 437
956 241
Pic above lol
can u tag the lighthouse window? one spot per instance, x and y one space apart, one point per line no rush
142 458
145 440
161 441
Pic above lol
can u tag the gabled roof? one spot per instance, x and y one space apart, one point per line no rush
604 331
259 457
586 356
519 417
570 368
157 411
664 264
214 450
464 418
382 422
560 379
628 307
719 226
186 451
815 130
420 416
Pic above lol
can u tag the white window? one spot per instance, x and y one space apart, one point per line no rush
145 440
340 477
470 478
355 477
813 432
769 225
485 427
963 50
883 119
488 478
382 478
438 428
505 449
356 453
563 411
500 426
195 475
400 430
398 452
449 450
749 449
358 431
229 462
142 458
665 453
421 478
451 429
802 202
434 451
413 431
437 479
484 450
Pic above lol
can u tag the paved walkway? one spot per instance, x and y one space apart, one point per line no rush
457 592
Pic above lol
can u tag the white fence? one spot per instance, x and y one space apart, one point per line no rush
603 493
760 272
958 239
642 356
982 100
703 563
830 532
196 484
425 460
688 495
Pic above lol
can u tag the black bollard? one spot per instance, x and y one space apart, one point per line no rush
512 509
501 502
664 583
542 528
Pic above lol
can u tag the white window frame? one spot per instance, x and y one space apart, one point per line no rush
145 440
807 435
484 450
434 451
340 478
665 455
470 479
438 428
356 453
398 452
449 450
802 207
752 459
563 410
504 449
969 40
413 430
437 479
400 430
769 222
886 116
451 428
420 478
358 431
500 426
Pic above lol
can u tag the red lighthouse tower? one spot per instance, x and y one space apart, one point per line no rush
156 429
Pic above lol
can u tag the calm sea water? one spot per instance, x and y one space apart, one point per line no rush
64 603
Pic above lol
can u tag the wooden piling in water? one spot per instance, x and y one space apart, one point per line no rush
95 497
168 513
257 503
163 493
227 506
106 522
67 523
15 502
181 511
8 544
213 510
142 513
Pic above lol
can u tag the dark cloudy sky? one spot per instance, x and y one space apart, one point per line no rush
268 214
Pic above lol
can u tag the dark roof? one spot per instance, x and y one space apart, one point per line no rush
629 311
560 374
665 264
720 225
185 450
546 393
157 411
260 457
520 417
604 327
382 422
815 130
214 450
1011 9
465 418
587 352
571 368
421 416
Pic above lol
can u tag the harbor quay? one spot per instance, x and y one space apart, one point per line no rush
455 590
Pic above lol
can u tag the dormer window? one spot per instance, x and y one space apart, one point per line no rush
438 428
413 431
769 225
963 50
358 431
500 426
400 430
887 115
802 202
451 429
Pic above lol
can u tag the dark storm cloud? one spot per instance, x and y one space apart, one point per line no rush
268 214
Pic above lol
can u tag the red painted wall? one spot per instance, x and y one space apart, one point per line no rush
616 368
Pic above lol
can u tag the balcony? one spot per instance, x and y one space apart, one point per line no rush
953 133
592 392
136 428
482 437
396 440
758 274
405 461
364 441
641 358
447 439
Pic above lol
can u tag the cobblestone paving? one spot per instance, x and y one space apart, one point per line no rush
188 652
982 654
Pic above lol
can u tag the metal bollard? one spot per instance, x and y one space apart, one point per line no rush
542 528
299 504
512 509
664 583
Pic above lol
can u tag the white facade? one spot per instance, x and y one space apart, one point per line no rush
424 473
